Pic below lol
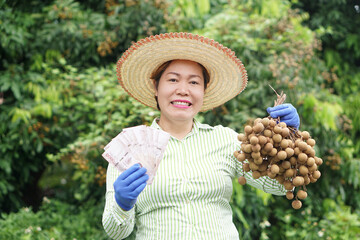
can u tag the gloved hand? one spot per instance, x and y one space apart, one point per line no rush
287 114
129 185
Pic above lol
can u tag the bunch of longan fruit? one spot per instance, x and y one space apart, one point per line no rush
286 154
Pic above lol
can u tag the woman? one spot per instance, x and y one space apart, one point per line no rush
182 74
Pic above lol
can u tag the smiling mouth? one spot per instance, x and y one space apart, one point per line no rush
178 103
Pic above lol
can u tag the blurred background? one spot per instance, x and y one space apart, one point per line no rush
60 103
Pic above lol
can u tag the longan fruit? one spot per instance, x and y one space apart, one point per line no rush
268 147
306 180
302 158
288 185
256 174
241 157
312 179
253 166
255 148
316 174
263 152
297 151
303 170
305 135
296 204
286 164
308 149
275 169
310 161
311 152
277 138
268 133
263 166
248 136
272 123
289 152
280 179
236 153
284 143
257 120
262 140
247 148
242 180
281 155
248 129
282 124
313 168
277 129
265 122
298 181
297 141
301 194
259 127
311 142
289 172
302 146
273 152
318 161
246 167
258 161
241 137
285 132
289 195
293 161
271 175
275 159
291 143
254 140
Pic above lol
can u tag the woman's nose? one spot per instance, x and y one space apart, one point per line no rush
182 89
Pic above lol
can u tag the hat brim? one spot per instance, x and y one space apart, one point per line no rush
228 76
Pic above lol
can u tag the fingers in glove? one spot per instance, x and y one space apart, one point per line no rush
139 189
279 107
288 117
129 171
135 175
282 112
134 185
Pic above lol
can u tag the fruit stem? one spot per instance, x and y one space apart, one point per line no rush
280 98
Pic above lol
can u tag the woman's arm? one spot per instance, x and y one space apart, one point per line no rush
117 223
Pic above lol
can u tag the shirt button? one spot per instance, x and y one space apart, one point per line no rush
187 201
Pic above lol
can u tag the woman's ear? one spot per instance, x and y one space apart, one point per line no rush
155 88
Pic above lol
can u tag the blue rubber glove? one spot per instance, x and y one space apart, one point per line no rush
287 114
129 185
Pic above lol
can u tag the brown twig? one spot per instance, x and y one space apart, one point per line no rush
280 98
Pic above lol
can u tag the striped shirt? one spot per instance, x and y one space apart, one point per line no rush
189 198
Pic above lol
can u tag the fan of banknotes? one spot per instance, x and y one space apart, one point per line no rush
140 144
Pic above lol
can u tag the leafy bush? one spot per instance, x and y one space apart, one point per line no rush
43 51
54 220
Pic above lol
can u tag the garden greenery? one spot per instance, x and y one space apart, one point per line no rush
60 103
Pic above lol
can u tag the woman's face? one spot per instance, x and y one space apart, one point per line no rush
180 91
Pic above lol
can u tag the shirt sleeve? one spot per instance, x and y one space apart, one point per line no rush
264 183
117 223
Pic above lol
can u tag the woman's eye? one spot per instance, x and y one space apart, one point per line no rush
194 82
172 80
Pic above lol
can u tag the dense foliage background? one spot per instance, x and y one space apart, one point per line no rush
60 104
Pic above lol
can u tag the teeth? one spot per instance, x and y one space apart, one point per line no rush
181 103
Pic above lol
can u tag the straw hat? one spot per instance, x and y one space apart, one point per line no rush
228 76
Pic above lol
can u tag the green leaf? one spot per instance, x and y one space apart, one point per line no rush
16 91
